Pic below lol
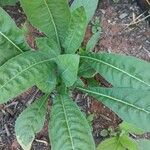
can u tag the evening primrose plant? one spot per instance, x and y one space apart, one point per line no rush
57 67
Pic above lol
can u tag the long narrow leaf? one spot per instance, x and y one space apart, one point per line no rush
22 72
30 122
76 31
121 71
12 40
92 42
130 104
89 5
50 16
68 128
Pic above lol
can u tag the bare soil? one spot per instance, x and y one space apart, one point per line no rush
116 37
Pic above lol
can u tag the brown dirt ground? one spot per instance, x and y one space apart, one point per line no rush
116 37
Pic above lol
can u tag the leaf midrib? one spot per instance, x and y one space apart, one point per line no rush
43 61
67 123
118 69
115 99
53 22
10 41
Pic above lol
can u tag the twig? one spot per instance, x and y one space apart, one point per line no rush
7 131
32 98
148 52
105 117
137 20
141 19
11 104
148 2
42 141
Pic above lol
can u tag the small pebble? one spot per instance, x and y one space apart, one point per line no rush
103 11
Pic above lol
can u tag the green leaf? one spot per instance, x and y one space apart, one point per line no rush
76 31
90 119
8 2
48 45
12 40
49 81
93 41
130 128
68 127
68 67
144 144
110 144
118 143
128 143
30 122
96 25
22 72
50 16
79 82
89 6
130 104
91 82
121 71
86 71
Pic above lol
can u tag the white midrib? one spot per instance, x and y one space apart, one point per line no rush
24 71
11 41
118 69
115 99
69 132
51 16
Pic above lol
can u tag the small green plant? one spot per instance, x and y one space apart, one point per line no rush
57 66
96 25
120 138
96 30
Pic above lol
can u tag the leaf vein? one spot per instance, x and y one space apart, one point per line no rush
118 69
9 40
115 99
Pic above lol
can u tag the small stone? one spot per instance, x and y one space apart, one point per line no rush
109 21
103 11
